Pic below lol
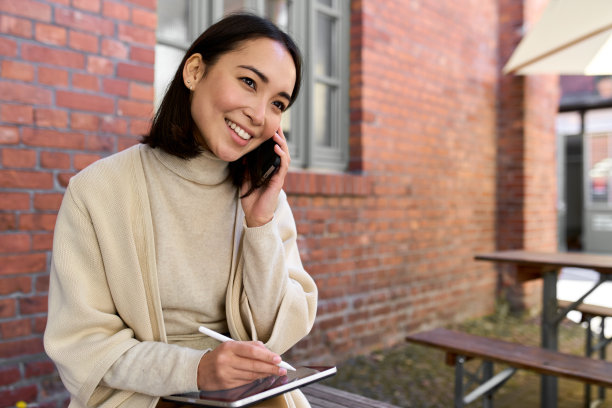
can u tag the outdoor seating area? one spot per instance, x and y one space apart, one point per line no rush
322 396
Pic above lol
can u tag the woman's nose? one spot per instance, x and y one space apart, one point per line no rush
256 112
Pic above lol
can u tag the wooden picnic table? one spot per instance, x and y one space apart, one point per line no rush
546 265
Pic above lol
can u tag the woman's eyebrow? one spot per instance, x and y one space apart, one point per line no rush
264 79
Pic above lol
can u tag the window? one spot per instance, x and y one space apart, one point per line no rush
317 125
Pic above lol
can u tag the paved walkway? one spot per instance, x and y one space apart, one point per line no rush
575 282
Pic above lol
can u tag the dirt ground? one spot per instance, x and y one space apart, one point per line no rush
411 375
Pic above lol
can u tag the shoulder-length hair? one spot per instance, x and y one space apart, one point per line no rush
172 127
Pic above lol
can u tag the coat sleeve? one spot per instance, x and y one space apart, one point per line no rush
279 299
100 358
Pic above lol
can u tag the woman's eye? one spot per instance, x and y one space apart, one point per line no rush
279 105
248 81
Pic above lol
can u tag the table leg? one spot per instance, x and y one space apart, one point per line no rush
550 335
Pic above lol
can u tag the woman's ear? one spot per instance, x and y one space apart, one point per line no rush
193 70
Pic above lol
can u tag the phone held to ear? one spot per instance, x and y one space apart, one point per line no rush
267 160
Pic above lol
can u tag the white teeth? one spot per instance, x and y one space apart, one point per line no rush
238 130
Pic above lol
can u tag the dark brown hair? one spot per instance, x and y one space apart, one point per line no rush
172 127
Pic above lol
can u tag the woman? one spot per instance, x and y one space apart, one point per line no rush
178 232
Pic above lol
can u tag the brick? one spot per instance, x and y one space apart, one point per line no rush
83 160
17 70
8 222
142 92
25 179
139 54
9 135
19 114
115 49
15 328
140 127
116 86
53 118
27 8
40 323
136 35
50 34
15 26
23 93
14 243
116 10
84 121
42 241
114 125
14 201
84 102
144 18
100 66
84 22
12 285
100 143
18 158
52 138
52 56
135 72
135 109
42 283
86 82
55 160
37 222
13 395
9 375
33 305
18 348
39 368
17 264
47 201
87 5
8 47
83 42
64 178
53 76
150 4
8 307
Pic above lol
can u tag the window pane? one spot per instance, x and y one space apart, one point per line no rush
278 12
167 60
327 3
172 21
323 115
325 27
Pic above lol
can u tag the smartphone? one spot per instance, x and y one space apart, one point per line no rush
267 160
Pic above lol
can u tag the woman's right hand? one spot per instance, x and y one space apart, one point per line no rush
235 363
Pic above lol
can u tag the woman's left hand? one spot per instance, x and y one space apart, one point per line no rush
259 206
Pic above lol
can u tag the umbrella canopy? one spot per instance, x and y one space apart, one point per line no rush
573 37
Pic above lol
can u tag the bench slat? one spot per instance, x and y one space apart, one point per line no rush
594 310
517 355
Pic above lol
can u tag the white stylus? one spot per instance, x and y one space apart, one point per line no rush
222 338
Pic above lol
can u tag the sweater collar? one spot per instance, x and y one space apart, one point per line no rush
205 168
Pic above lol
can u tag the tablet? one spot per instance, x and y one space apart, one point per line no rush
256 391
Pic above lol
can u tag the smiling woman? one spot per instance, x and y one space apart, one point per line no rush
179 232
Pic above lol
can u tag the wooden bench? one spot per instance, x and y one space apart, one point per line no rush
460 346
322 396
592 345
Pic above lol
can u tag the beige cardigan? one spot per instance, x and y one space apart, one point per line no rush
104 295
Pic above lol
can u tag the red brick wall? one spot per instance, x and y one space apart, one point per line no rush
76 84
526 164
434 165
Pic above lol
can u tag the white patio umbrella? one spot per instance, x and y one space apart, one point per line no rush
573 37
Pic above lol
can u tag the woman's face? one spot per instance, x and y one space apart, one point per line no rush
237 102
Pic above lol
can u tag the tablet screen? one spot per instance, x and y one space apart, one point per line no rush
258 390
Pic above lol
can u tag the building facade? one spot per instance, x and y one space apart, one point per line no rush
447 157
